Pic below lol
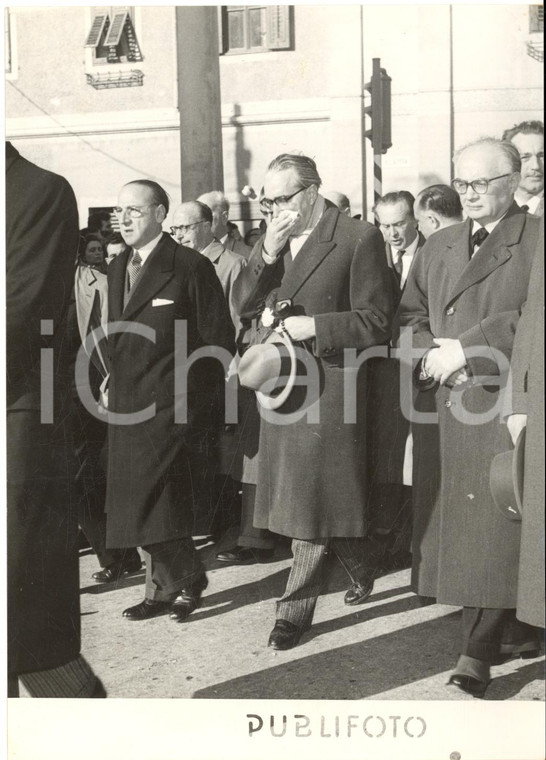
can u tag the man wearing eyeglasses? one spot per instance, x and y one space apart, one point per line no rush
154 458
331 272
192 227
463 299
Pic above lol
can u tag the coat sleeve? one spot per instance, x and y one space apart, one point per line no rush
212 313
413 310
255 282
533 311
369 322
41 241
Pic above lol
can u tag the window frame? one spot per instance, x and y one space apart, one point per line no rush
93 64
275 16
11 70
536 19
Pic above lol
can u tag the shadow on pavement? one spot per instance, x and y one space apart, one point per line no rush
356 671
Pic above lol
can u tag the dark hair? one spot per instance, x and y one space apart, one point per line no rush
390 198
305 168
441 199
524 128
84 241
95 220
159 195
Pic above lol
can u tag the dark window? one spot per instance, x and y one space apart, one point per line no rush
255 28
112 37
536 18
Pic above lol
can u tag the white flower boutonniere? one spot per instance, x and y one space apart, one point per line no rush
268 317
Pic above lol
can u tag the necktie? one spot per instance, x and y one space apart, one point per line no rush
133 269
477 239
398 265
524 208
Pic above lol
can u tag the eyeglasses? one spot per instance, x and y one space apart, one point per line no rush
134 212
185 227
268 203
478 185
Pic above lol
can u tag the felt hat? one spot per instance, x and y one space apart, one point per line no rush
269 368
506 479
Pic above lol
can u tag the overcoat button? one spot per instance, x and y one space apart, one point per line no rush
448 404
450 311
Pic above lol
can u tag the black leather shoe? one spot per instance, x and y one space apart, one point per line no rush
358 593
469 685
244 555
188 600
284 635
147 609
117 570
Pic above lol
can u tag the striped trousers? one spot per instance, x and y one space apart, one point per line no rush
360 558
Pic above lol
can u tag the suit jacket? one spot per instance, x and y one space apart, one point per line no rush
149 491
91 304
237 246
312 479
43 587
478 302
227 265
528 398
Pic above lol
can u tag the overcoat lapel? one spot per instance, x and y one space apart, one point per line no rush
116 285
158 270
318 245
493 252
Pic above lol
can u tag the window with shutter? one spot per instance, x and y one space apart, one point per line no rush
255 28
112 37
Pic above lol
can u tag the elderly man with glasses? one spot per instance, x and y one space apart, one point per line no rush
192 227
463 300
167 303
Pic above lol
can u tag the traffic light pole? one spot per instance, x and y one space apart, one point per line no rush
380 113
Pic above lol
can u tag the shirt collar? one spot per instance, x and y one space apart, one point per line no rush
146 250
531 202
489 227
316 214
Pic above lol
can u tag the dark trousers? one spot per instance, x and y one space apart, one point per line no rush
170 567
487 633
359 556
249 536
89 435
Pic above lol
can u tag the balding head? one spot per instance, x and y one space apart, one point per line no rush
219 205
192 225
340 200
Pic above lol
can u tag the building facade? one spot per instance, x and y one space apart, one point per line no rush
93 92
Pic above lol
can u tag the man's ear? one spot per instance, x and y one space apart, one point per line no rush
160 213
434 221
515 179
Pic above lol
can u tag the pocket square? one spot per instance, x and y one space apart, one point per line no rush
161 302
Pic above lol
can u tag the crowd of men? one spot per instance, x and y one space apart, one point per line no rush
353 475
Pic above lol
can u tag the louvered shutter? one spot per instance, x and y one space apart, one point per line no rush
278 27
116 29
93 39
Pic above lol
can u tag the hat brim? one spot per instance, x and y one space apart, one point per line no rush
274 401
506 480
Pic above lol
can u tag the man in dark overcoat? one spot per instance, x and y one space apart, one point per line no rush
463 300
390 441
312 482
170 303
42 521
528 411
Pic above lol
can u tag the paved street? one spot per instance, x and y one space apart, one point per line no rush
395 647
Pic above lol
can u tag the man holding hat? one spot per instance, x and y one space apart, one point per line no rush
327 275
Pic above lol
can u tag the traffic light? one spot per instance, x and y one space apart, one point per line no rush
380 109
